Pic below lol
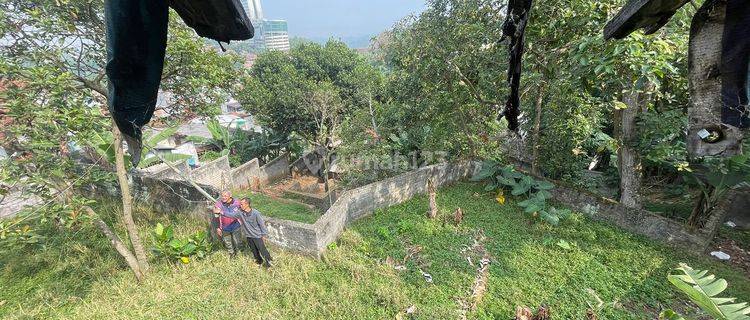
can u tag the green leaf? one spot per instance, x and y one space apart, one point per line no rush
703 289
159 230
520 189
488 170
510 182
542 195
564 244
544 185
549 218
669 314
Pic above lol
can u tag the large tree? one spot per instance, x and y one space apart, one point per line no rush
54 90
281 86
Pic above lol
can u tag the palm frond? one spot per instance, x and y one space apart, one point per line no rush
703 289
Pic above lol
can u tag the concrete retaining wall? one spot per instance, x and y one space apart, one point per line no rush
274 170
214 173
163 171
358 203
243 176
638 221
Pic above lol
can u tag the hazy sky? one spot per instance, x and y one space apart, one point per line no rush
339 18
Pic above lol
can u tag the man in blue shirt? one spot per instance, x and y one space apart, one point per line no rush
255 230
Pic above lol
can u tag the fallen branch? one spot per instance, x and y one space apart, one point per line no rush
117 243
182 175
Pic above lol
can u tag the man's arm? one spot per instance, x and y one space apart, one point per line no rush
262 225
232 213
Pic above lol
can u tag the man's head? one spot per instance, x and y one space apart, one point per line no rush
226 196
246 204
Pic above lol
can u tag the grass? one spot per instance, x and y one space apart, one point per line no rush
281 208
625 271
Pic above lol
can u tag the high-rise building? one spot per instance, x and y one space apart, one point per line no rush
269 34
253 9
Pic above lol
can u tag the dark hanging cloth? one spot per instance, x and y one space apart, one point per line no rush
514 28
221 20
735 71
136 45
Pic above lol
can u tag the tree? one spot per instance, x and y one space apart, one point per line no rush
278 87
53 58
309 91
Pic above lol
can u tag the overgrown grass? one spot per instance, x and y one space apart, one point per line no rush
352 281
281 208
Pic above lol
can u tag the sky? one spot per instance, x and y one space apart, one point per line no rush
339 18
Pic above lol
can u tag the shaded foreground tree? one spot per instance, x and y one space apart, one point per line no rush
53 61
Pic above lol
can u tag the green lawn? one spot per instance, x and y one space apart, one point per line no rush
352 281
281 208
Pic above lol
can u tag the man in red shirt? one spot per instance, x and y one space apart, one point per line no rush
227 225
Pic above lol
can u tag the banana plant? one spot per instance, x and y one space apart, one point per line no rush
221 137
703 289
103 145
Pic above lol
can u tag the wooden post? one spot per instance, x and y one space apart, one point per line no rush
432 214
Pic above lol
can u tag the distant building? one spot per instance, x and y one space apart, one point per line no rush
269 34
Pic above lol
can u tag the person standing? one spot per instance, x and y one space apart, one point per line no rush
227 226
255 231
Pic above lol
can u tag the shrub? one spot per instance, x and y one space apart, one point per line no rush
519 184
166 245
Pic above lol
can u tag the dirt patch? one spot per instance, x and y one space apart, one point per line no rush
302 184
739 253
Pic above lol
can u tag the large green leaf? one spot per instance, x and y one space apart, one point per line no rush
544 185
164 134
549 218
703 289
489 168
520 189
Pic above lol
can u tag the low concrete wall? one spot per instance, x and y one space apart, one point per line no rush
637 221
214 173
275 170
243 176
313 239
737 206
363 201
293 235
163 171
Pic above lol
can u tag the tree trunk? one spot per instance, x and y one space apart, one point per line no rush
326 176
705 82
372 118
627 156
121 248
699 210
536 134
432 214
127 201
